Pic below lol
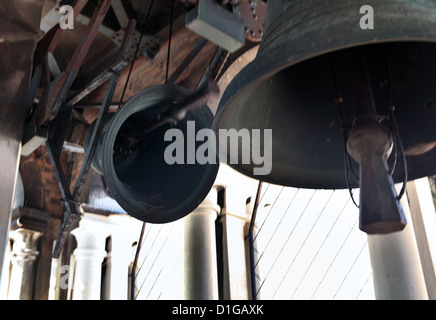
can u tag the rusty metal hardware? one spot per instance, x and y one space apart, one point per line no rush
253 13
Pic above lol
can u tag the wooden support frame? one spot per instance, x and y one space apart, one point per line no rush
61 86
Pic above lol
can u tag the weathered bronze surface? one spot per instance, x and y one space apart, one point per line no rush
139 178
290 87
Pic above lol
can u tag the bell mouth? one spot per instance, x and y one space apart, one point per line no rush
139 178
295 97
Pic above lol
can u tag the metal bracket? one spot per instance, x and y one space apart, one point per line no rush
253 13
147 43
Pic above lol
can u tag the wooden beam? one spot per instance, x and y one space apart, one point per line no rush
151 72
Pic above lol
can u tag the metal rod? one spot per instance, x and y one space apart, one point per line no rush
72 215
178 111
187 61
362 96
135 263
252 267
249 237
169 41
256 205
398 142
135 55
99 122
251 241
94 137
345 131
70 201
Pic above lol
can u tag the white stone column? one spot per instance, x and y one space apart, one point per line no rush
125 231
200 260
397 270
91 241
235 256
55 278
23 257
424 223
234 221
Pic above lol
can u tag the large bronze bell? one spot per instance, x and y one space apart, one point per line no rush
131 157
303 79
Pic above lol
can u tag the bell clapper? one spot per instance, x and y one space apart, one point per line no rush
370 144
